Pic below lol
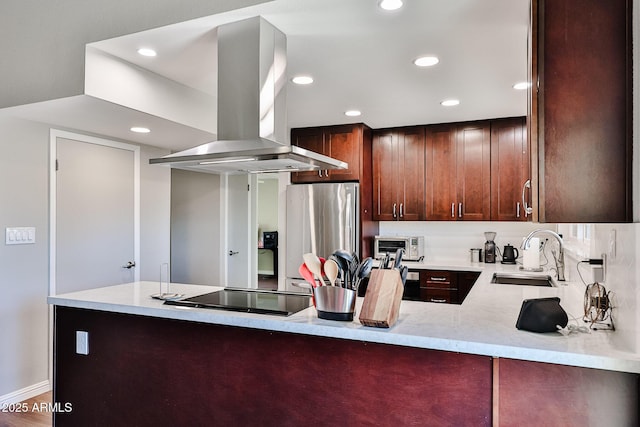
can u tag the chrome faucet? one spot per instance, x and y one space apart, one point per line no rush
559 258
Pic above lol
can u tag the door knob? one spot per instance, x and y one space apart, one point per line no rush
232 253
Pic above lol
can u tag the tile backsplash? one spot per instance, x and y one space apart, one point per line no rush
621 275
621 279
449 242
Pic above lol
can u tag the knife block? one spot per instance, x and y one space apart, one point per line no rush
382 301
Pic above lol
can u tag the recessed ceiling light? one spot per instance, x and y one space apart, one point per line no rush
450 102
521 86
390 4
302 80
426 61
145 51
352 113
138 129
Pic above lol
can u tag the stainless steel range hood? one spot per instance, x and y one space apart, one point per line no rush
252 80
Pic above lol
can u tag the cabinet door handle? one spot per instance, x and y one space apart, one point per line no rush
320 173
518 210
394 210
453 210
527 209
401 213
437 300
459 210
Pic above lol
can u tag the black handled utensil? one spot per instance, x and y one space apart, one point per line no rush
385 261
404 270
397 262
364 269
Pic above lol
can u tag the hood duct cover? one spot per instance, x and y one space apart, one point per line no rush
252 80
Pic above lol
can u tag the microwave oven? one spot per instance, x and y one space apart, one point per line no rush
413 247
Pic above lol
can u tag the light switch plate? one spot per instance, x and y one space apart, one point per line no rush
20 235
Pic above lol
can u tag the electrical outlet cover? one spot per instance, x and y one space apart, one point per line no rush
82 342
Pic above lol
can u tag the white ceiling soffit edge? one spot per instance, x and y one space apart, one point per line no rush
91 115
115 80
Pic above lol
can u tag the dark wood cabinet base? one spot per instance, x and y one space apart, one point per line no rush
149 371
538 394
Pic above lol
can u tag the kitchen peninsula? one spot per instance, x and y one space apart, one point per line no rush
441 364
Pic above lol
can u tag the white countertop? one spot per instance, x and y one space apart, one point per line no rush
484 324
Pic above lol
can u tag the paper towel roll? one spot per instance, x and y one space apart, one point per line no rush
531 256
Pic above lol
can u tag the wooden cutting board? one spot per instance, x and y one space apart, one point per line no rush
381 303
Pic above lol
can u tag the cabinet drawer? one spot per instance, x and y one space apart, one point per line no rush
444 296
438 279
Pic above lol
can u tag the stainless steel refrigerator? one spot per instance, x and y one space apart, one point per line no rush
320 219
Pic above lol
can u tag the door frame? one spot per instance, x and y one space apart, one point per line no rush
54 134
251 243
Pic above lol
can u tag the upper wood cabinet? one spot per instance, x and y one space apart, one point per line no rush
584 110
458 171
342 142
441 172
509 170
399 174
474 171
310 139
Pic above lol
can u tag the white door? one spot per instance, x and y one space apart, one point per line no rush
95 230
241 232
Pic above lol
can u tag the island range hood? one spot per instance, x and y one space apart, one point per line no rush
252 82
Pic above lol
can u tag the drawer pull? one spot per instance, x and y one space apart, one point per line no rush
437 300
438 279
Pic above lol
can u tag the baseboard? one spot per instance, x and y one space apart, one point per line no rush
25 393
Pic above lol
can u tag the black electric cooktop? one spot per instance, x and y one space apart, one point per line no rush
249 301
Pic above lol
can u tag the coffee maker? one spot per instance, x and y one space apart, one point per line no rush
489 252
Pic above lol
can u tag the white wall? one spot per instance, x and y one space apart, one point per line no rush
195 227
155 208
24 269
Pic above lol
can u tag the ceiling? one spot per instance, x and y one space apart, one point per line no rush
359 56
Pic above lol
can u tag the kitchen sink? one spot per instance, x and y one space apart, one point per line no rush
522 279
